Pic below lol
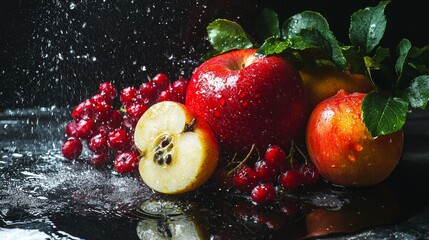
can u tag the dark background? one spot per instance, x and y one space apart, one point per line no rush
56 52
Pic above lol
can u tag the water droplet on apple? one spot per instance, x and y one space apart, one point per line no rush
241 94
221 101
217 112
358 147
352 157
244 103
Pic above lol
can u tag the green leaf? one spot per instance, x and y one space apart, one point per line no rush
367 26
313 31
354 59
411 63
374 63
381 54
225 35
418 92
383 115
267 24
403 48
273 45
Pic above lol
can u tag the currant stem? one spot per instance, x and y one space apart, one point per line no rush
302 154
242 162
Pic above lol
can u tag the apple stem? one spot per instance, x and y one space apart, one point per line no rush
190 127
242 162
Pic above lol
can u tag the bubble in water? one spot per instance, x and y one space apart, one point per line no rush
72 5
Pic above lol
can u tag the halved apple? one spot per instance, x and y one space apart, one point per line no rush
179 151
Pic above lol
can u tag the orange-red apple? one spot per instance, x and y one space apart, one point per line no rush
324 82
341 147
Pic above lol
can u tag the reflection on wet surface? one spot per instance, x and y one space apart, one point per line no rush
45 196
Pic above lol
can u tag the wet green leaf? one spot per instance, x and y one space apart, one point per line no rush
383 114
313 31
418 92
367 26
267 24
225 35
273 45
412 62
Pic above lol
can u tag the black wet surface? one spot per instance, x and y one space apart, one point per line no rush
44 196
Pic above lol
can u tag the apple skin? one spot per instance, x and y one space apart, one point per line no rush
321 83
249 99
341 147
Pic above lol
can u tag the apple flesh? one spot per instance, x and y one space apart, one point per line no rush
249 99
179 151
341 147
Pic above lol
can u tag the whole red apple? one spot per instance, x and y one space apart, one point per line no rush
249 99
341 147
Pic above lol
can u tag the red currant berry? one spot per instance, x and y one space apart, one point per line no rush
103 129
126 162
148 93
309 174
108 90
276 155
264 192
128 122
117 139
245 178
128 95
164 96
291 179
136 110
265 170
161 81
71 129
102 109
98 144
115 120
83 110
85 128
180 85
72 148
98 160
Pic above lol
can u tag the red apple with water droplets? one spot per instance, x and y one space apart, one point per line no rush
249 99
341 147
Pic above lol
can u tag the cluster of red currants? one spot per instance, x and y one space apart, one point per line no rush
274 170
109 132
